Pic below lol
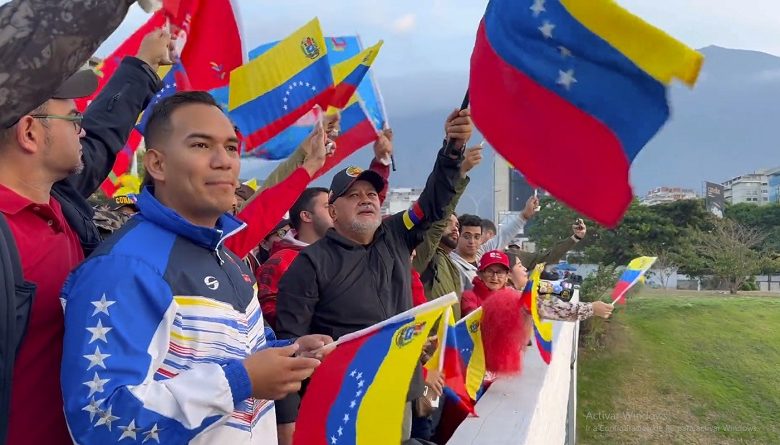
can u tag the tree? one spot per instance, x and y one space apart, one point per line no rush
665 265
730 252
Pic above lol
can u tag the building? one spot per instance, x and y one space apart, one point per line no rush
773 186
663 195
753 188
399 199
510 188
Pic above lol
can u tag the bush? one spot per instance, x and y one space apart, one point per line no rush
597 285
749 285
594 288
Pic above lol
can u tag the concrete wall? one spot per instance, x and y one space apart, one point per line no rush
532 408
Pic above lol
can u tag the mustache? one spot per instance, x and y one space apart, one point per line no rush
363 207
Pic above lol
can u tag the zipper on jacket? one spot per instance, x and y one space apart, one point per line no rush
219 258
115 98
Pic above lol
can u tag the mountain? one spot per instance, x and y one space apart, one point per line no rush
724 127
727 125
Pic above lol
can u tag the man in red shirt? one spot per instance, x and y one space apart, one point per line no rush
41 148
35 156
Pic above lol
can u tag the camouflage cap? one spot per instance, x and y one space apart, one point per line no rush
107 220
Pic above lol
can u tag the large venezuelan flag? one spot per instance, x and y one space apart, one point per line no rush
272 91
583 79
634 272
543 330
358 394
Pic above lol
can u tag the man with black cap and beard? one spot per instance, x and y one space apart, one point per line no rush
358 274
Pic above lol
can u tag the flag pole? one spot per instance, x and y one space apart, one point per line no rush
451 149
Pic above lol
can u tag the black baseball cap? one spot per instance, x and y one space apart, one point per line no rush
347 177
80 84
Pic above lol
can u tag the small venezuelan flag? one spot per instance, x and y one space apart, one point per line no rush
357 131
468 341
348 74
543 330
634 272
358 393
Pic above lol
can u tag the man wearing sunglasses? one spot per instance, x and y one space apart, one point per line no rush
49 166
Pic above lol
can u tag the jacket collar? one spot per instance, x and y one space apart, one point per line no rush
481 289
462 262
210 238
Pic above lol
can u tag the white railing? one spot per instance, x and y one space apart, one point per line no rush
537 407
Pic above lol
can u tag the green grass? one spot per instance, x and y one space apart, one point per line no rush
684 369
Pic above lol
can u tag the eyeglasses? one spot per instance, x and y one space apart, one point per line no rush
76 118
498 273
281 233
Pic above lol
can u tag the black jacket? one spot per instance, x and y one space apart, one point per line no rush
107 123
336 287
15 301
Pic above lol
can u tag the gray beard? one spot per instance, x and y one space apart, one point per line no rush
365 227
78 169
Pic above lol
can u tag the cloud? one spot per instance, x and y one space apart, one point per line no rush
404 24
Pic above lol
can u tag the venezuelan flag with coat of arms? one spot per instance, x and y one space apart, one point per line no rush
468 341
584 80
358 393
271 92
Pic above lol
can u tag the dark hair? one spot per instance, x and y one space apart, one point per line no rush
467 220
304 204
159 123
488 225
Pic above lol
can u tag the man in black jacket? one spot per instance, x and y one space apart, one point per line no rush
52 160
360 273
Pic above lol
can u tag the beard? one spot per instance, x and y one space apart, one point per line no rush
449 242
77 169
366 226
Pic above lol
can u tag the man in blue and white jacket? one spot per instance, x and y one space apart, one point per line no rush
164 338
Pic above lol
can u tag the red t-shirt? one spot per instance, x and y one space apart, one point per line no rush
49 250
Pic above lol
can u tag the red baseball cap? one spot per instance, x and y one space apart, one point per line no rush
493 257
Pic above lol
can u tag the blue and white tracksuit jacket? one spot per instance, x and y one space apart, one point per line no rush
157 322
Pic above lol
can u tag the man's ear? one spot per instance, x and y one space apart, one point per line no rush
154 163
29 134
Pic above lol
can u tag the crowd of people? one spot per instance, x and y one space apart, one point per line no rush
195 311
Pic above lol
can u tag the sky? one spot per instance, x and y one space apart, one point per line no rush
438 35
